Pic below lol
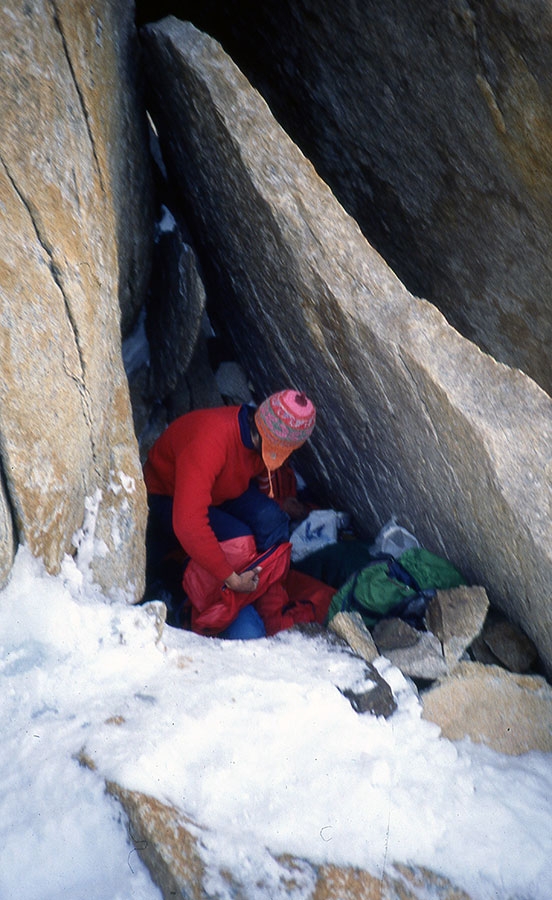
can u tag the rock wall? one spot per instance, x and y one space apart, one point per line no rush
103 57
414 420
432 123
74 241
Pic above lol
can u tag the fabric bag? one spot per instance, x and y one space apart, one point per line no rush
215 606
282 598
391 588
319 529
298 600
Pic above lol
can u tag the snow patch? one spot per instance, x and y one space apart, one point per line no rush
253 740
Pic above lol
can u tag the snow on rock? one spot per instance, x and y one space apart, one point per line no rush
254 741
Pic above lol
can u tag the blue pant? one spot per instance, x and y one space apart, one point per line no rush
247 625
250 513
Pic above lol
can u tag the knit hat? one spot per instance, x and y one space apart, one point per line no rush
284 421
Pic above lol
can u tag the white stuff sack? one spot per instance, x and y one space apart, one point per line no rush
316 531
393 540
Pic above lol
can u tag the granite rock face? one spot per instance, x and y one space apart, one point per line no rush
432 123
74 247
413 419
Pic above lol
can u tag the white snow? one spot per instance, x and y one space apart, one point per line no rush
253 740
135 348
167 221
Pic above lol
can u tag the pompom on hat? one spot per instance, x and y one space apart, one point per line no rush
284 421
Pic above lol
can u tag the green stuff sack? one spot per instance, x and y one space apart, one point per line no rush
401 588
430 571
372 592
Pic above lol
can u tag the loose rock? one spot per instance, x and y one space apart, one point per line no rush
422 661
511 647
456 617
510 713
394 634
350 626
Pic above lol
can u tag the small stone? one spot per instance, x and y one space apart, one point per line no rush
511 646
424 660
232 383
350 626
115 720
456 617
394 634
376 699
157 611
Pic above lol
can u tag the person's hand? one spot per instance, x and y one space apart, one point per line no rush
246 582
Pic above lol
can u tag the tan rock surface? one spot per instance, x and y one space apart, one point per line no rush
456 617
167 842
162 838
510 713
351 627
71 177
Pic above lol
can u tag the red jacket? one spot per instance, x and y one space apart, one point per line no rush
200 460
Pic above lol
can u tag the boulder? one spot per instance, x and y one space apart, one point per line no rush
102 59
407 883
200 381
413 419
232 383
456 617
509 645
163 838
73 177
510 713
432 124
168 842
193 388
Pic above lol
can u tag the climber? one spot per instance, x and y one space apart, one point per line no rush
201 477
